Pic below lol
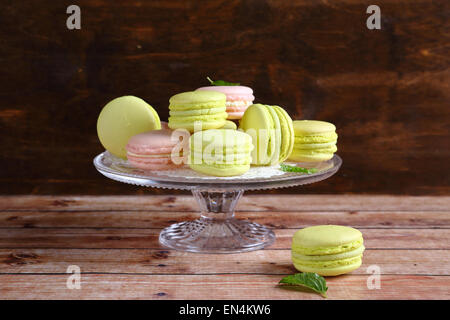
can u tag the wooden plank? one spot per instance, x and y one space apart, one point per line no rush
160 203
148 238
150 261
124 286
275 219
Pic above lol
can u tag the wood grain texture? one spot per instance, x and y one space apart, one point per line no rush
114 241
254 203
386 90
145 219
226 286
157 261
148 238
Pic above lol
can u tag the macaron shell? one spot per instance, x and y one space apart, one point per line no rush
152 164
306 127
228 139
316 138
327 250
197 97
220 152
326 236
300 156
211 170
287 133
152 150
122 118
233 93
317 146
255 118
314 141
276 142
151 142
202 107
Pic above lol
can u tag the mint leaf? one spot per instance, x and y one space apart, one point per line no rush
221 82
307 279
288 168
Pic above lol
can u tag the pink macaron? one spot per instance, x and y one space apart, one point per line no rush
152 150
239 98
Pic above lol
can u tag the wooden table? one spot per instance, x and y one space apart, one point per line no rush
114 241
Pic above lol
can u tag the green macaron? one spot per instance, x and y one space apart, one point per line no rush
314 141
220 152
327 250
197 110
122 118
272 133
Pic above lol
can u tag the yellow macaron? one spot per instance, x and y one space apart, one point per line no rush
122 118
197 110
220 152
272 133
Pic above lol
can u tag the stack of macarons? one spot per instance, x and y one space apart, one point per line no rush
220 152
327 250
315 141
238 99
197 110
272 133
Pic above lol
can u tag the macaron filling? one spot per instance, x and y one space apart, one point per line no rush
327 250
326 257
314 141
328 263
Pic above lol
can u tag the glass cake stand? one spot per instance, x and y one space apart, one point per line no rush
217 230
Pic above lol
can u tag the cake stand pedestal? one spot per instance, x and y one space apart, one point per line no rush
217 230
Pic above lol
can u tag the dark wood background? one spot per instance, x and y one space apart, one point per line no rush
387 91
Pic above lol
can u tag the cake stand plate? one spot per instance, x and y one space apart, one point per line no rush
217 230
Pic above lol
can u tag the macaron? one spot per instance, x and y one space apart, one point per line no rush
314 141
239 98
272 133
122 118
328 250
220 152
153 150
197 110
229 125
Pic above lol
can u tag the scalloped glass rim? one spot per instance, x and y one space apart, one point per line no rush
119 170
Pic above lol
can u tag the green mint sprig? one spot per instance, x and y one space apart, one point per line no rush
221 82
307 279
288 168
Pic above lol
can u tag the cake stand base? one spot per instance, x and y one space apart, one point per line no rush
217 231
